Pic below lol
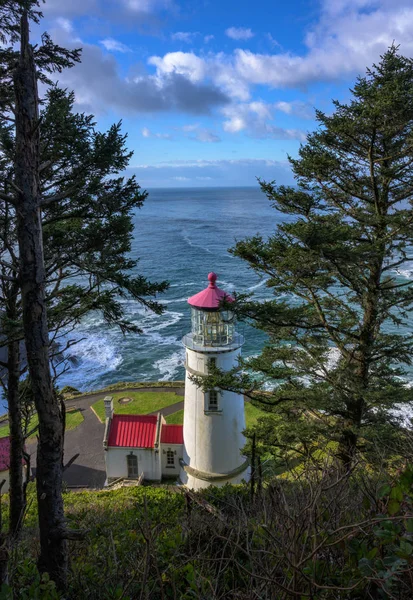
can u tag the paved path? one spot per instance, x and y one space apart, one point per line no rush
88 470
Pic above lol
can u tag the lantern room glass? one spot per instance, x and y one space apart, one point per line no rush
212 328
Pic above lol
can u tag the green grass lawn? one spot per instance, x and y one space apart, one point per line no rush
176 418
251 415
73 419
142 403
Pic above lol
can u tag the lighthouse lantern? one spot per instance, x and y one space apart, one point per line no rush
212 325
211 328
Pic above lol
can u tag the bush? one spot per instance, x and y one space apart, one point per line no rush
319 534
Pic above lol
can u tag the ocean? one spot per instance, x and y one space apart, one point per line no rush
180 236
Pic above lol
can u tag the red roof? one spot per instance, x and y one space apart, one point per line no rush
172 434
133 431
210 297
4 453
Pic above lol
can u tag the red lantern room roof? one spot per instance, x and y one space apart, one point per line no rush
211 297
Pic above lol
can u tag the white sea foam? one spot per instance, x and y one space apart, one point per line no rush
149 321
229 287
404 413
406 271
168 319
268 386
96 352
188 240
168 367
258 285
161 340
175 301
332 358
188 283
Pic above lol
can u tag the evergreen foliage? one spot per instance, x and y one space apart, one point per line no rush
321 536
336 354
75 259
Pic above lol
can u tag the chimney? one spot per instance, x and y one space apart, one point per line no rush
108 401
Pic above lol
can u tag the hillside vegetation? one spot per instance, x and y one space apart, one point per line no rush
317 535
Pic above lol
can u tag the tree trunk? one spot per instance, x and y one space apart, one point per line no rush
252 478
53 545
17 499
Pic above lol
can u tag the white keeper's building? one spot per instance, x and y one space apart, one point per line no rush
138 445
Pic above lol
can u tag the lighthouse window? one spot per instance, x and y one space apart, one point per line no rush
209 329
213 400
170 459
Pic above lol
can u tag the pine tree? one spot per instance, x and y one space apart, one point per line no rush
84 239
338 342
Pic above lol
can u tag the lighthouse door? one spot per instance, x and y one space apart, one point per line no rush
132 462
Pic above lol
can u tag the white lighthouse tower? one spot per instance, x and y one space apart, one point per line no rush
213 420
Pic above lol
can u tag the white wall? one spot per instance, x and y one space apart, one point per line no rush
148 462
178 450
212 441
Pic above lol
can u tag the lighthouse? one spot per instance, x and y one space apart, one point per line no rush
214 419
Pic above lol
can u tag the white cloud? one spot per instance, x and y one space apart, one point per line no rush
201 134
300 109
235 124
146 6
216 67
256 119
346 39
349 35
207 136
136 11
184 63
184 36
208 38
65 24
344 42
273 41
99 84
147 133
190 127
114 46
239 33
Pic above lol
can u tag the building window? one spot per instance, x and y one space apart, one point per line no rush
213 400
132 462
170 459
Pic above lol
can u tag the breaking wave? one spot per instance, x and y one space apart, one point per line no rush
170 366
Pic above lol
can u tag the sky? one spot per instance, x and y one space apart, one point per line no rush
219 92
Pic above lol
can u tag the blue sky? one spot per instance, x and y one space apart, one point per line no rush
219 92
